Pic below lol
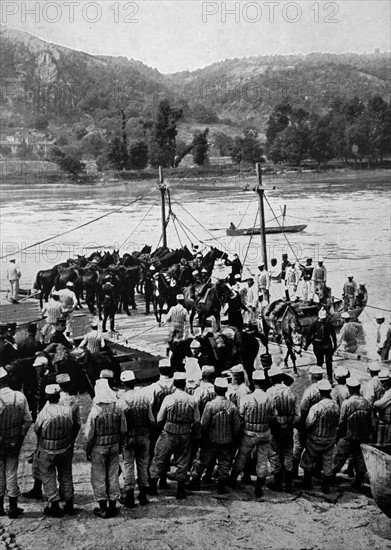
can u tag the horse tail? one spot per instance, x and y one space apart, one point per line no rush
38 281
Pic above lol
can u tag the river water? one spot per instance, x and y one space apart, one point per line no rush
348 222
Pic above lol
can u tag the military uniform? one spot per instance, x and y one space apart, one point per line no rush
203 394
383 407
356 426
349 294
340 393
373 390
105 430
311 396
180 417
220 426
109 306
15 420
139 420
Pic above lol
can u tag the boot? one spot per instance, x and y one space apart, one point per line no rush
350 469
112 510
163 482
69 509
14 512
258 487
195 484
129 499
36 491
326 482
276 485
101 512
357 483
2 512
307 481
142 496
152 489
221 488
288 477
181 491
53 510
233 479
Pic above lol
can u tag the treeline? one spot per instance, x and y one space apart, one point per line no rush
351 129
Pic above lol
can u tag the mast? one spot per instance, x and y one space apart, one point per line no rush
260 190
163 188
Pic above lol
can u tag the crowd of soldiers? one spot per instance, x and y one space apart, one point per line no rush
221 426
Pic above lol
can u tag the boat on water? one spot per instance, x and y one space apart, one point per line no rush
378 463
233 231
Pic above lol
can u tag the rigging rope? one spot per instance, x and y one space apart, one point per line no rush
251 237
283 232
199 223
79 226
138 225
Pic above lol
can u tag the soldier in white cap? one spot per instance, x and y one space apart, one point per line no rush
93 341
251 302
324 342
258 414
15 420
292 278
319 279
178 317
135 450
383 337
64 381
361 296
220 426
288 417
239 387
56 433
340 391
13 275
349 292
179 416
356 426
263 283
347 339
306 277
105 433
149 282
51 311
321 427
383 408
205 391
69 302
373 389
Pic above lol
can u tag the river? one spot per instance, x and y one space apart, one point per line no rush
348 221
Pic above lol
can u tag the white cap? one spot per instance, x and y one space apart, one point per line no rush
353 383
384 374
3 372
237 368
238 277
258 375
374 367
55 293
221 383
275 371
341 372
127 376
195 344
63 378
152 268
322 314
321 260
315 370
180 297
69 283
52 389
106 373
209 369
179 376
324 385
41 360
345 315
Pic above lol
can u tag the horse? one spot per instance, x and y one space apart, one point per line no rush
210 304
283 319
165 291
44 282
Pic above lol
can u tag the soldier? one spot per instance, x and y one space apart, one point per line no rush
258 414
105 432
250 316
69 302
192 367
58 336
51 311
321 426
179 417
356 426
292 278
263 283
311 396
149 282
275 279
383 407
13 275
348 334
319 279
349 293
373 389
306 276
139 420
178 316
361 296
288 417
109 304
29 346
284 264
383 338
93 341
340 391
205 391
220 427
64 381
324 342
239 387
56 433
15 420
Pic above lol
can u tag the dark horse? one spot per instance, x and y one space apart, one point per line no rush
209 304
280 317
165 290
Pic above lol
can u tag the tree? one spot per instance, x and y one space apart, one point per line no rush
223 143
200 147
138 155
67 162
247 148
93 144
163 135
321 148
117 156
41 123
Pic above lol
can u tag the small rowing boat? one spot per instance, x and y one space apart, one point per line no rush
378 463
234 231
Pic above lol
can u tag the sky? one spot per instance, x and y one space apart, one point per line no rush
182 35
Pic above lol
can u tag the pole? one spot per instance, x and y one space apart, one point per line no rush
163 196
260 191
